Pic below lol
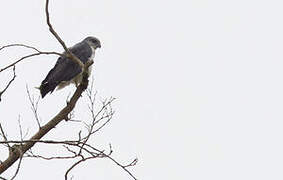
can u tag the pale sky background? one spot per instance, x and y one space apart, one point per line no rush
198 85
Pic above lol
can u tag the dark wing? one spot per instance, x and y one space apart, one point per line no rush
65 69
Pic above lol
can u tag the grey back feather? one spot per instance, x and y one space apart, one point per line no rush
65 69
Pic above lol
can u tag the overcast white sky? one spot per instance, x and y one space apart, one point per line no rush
198 85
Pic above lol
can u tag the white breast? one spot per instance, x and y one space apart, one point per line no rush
93 53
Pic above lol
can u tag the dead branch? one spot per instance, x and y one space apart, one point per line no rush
14 76
124 167
38 141
34 107
75 164
28 56
51 29
19 149
2 133
13 157
90 150
38 52
63 114
95 117
20 128
19 45
19 164
84 151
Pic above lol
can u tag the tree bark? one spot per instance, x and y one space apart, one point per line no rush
17 150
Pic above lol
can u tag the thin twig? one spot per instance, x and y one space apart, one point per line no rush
79 148
34 106
14 76
19 164
75 155
75 164
133 163
93 155
51 29
28 56
38 141
50 158
20 128
22 45
95 119
4 137
50 125
115 161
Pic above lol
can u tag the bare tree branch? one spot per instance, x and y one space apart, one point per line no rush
4 137
93 152
20 128
14 76
28 56
38 141
47 127
19 164
81 143
116 162
21 45
19 149
95 117
63 114
51 29
34 107
31 155
75 164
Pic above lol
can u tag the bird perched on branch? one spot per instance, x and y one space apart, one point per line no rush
67 71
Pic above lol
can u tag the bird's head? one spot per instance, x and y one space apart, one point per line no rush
93 42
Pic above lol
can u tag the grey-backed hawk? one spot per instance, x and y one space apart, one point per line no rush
67 71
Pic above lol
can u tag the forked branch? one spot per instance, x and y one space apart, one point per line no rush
63 114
